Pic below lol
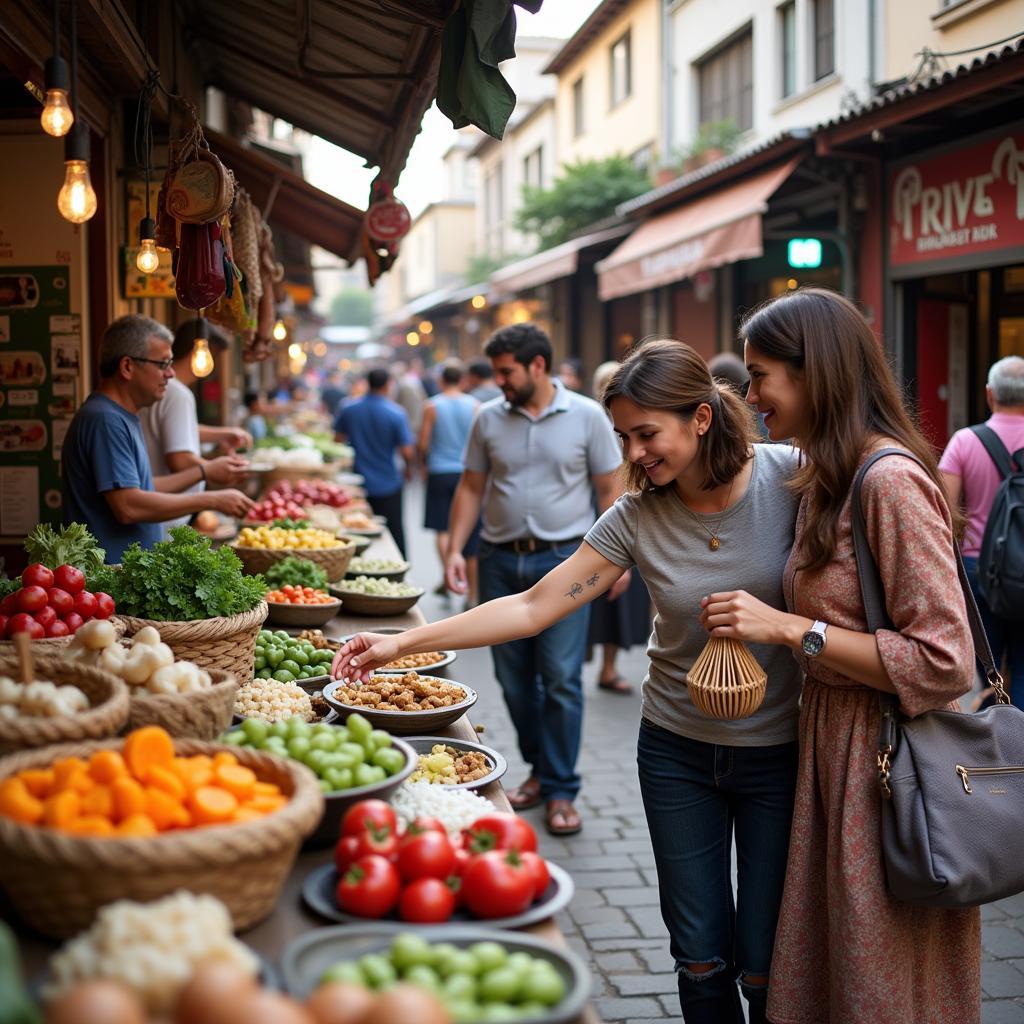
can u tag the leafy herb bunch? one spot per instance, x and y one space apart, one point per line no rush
296 572
183 579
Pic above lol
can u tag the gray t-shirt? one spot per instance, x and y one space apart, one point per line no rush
539 470
660 536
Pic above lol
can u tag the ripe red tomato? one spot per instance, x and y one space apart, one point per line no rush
381 841
497 884
9 605
24 623
73 621
3 625
58 628
104 605
37 576
369 888
60 600
31 599
462 858
425 855
424 823
538 868
426 901
501 831
345 853
69 578
46 617
85 604
359 816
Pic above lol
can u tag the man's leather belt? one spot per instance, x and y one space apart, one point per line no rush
531 545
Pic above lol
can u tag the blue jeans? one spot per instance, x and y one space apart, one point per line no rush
695 795
540 676
1005 638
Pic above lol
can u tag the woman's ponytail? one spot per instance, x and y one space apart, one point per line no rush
726 446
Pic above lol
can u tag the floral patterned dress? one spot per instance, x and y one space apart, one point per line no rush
846 952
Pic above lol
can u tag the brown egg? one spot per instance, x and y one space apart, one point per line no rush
266 1007
340 1002
404 1004
96 1002
212 992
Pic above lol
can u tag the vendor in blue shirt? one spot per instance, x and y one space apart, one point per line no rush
377 428
107 480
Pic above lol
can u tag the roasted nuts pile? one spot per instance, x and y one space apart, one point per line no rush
409 692
410 661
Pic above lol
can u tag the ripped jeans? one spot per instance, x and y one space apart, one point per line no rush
695 796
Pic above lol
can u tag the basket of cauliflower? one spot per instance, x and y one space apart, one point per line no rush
65 703
188 701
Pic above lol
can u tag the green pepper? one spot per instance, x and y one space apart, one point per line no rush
282 675
274 656
15 1005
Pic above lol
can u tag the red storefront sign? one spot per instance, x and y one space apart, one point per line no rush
958 204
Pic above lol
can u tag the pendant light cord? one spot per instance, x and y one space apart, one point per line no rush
74 60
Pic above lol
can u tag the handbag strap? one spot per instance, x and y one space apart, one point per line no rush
873 596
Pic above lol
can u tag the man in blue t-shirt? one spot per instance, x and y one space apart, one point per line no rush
376 428
107 480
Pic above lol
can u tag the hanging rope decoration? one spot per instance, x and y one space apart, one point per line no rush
726 681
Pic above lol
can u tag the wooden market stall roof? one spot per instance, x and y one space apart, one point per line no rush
287 200
359 73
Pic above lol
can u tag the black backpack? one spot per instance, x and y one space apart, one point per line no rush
1001 562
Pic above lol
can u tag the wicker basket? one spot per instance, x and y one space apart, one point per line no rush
227 643
200 715
108 697
40 648
726 681
57 882
333 561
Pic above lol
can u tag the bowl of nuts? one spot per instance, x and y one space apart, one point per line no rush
405 704
368 595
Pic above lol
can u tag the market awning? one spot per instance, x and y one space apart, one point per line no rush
288 201
561 261
719 228
359 74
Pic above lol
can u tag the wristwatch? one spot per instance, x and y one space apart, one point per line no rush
813 641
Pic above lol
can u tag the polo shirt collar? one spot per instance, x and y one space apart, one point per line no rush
560 403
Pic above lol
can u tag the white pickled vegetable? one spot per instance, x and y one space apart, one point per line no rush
140 664
112 659
164 655
10 691
97 634
148 635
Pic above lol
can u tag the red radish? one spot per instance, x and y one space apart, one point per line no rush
104 605
73 621
69 578
37 576
46 617
24 623
85 604
31 599
60 600
58 628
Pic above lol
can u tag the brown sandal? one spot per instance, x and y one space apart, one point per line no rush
525 795
571 823
615 685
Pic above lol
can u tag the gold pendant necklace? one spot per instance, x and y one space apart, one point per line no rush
714 544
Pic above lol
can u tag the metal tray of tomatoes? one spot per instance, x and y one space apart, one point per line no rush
305 960
320 886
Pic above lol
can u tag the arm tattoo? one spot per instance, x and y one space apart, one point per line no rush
592 582
575 590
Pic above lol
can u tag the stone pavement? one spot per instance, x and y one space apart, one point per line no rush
614 922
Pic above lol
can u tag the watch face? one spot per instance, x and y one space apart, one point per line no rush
812 644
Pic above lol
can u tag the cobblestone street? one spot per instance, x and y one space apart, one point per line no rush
614 921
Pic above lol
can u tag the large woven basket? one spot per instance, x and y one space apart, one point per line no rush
108 711
333 561
227 643
48 645
726 681
200 715
57 881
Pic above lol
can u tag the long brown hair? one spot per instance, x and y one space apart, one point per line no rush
670 376
852 399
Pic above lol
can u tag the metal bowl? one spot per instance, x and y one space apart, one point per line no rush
374 604
497 763
416 723
396 575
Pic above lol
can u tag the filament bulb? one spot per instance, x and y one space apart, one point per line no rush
76 199
202 358
57 116
148 258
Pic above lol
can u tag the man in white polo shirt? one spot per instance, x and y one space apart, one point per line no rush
532 461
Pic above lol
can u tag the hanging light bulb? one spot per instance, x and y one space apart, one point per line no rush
280 331
57 116
76 199
148 258
202 358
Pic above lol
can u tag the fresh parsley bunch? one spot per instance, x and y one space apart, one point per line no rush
296 572
183 579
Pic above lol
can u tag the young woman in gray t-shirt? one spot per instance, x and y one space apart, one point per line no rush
706 509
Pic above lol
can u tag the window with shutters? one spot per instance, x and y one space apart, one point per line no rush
726 83
824 38
621 70
787 49
578 121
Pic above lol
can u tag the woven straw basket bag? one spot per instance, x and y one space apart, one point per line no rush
200 715
107 712
726 681
333 561
58 881
227 643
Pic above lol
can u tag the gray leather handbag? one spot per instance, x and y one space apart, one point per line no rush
952 783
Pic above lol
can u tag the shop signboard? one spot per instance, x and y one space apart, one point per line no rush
958 206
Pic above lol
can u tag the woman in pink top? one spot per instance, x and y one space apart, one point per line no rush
846 951
972 481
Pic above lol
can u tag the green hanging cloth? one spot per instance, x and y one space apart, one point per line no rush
470 88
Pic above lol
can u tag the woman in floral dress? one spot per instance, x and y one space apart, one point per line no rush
846 951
